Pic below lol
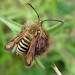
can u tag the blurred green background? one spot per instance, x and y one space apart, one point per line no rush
62 47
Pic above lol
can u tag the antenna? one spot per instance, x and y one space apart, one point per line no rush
34 10
53 20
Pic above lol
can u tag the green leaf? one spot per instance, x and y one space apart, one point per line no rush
14 26
55 27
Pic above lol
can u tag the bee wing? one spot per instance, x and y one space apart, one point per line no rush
10 44
30 54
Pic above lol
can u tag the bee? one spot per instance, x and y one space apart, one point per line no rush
31 41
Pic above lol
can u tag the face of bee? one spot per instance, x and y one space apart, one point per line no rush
34 28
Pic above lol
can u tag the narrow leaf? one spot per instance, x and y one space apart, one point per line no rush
14 26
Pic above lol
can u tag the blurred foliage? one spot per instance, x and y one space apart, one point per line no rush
62 41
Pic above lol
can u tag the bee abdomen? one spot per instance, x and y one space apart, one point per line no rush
23 46
26 40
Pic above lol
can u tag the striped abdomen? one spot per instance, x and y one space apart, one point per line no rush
23 45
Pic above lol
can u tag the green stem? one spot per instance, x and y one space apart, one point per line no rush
39 63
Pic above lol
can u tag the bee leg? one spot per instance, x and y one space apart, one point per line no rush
10 44
30 54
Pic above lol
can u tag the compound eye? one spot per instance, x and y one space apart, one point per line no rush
32 31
